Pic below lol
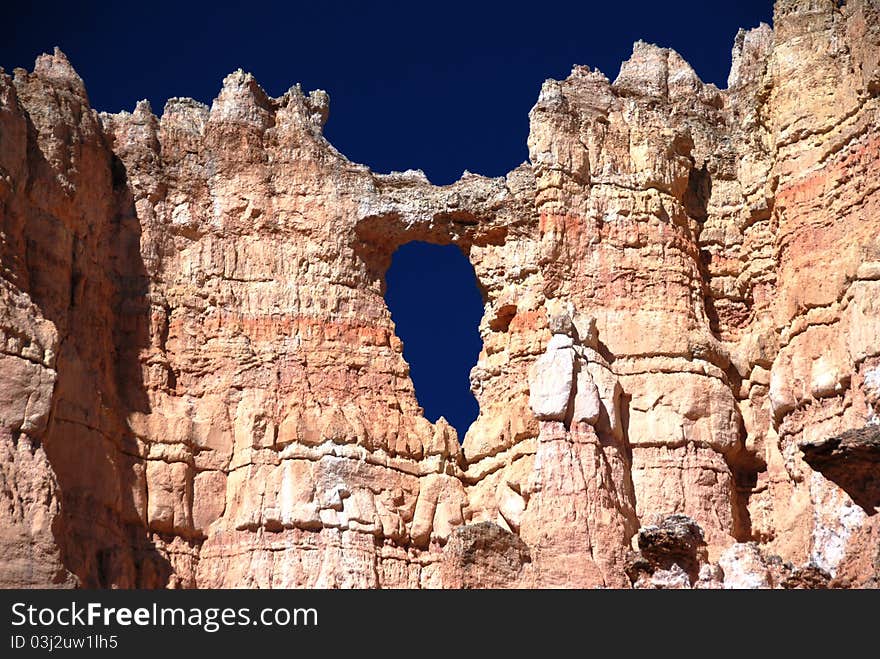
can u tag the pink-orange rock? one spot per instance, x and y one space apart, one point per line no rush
202 385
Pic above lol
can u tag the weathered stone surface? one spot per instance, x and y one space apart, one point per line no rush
484 555
580 515
744 568
587 405
672 555
852 461
552 384
677 540
809 577
202 386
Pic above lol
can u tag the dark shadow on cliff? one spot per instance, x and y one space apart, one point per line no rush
102 314
852 461
131 336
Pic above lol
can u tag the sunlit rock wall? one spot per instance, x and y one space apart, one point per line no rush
201 386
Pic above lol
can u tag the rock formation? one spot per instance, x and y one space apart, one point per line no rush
202 386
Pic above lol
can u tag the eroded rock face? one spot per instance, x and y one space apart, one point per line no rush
671 556
484 555
852 461
202 386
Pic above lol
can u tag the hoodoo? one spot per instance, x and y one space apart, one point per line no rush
201 385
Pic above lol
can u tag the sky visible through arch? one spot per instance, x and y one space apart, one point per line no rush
436 307
441 87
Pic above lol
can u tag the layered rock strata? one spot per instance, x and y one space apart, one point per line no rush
202 385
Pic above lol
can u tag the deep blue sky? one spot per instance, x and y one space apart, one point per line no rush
441 87
433 297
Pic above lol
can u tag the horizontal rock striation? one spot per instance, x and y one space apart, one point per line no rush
202 386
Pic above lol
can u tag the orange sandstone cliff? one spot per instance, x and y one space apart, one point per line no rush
201 386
